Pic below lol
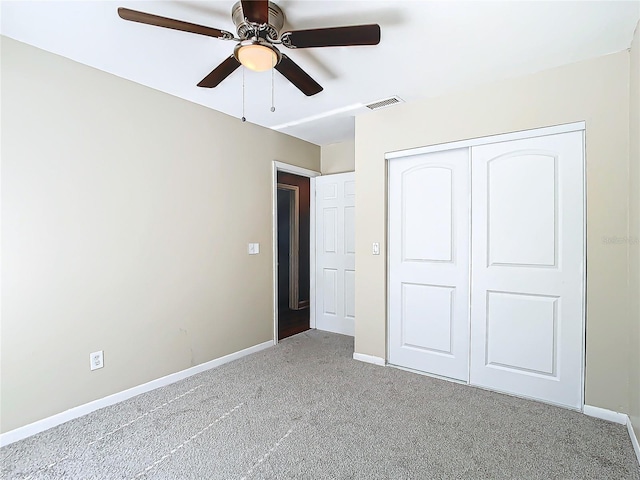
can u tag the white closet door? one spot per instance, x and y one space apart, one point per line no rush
335 253
429 263
527 268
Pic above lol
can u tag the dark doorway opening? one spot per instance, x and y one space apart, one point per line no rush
293 221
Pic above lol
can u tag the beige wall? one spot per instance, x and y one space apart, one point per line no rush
338 158
595 91
634 232
126 215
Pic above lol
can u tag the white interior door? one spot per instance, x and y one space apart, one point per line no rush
335 253
429 263
527 267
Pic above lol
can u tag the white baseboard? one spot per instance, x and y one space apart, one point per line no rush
55 420
621 418
605 414
634 439
369 359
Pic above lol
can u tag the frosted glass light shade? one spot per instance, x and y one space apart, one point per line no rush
257 57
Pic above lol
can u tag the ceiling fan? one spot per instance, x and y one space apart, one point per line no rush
258 24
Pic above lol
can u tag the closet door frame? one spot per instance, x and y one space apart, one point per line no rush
518 135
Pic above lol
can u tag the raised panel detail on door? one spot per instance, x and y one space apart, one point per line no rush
335 253
329 230
427 214
427 317
350 294
349 188
328 191
528 267
429 263
522 209
330 291
350 230
522 332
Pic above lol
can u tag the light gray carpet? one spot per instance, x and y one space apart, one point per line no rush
305 409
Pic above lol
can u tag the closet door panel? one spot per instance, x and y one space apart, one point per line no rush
528 267
429 263
522 210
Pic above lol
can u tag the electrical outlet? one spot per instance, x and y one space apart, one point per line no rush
376 248
97 360
254 248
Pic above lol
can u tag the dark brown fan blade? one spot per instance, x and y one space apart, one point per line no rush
333 37
256 11
150 19
298 77
221 72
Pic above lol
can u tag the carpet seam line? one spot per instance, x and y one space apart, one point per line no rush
48 467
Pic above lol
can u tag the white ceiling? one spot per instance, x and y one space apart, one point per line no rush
427 49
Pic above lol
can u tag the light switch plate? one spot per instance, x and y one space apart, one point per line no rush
376 248
254 248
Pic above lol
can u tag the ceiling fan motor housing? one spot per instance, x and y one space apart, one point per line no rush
247 30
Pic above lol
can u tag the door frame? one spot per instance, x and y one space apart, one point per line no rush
294 247
474 142
310 174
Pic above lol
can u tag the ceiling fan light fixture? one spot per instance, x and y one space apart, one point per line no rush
257 56
259 26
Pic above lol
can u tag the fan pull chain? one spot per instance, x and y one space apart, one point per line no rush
273 102
243 117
